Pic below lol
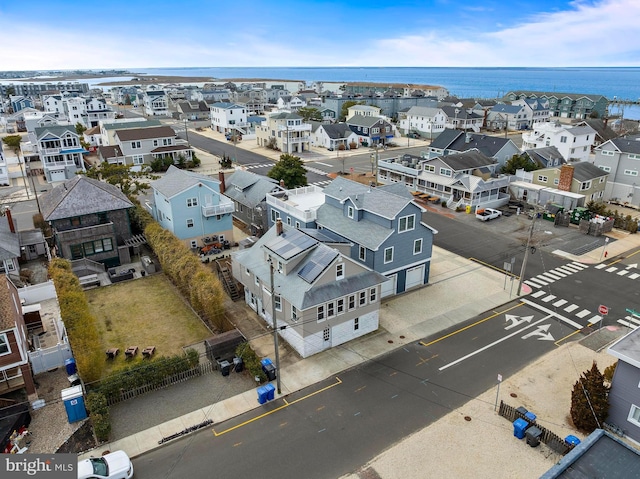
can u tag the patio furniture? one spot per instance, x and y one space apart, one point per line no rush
148 351
112 353
131 351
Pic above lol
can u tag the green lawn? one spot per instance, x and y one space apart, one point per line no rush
144 312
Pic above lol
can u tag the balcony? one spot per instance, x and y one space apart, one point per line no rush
214 210
296 128
50 151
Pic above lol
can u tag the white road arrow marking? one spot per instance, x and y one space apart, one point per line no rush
634 265
515 321
542 331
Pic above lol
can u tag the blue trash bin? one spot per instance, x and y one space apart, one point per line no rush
70 365
529 416
519 428
262 395
572 440
271 392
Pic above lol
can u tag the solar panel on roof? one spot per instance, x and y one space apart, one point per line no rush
291 243
317 263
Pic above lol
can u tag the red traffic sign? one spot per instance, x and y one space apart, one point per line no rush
603 310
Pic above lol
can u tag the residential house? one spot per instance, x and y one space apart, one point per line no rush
60 151
209 95
97 110
371 130
507 117
54 104
624 400
248 192
92 137
566 105
156 103
603 131
363 110
31 89
536 110
89 219
296 207
15 370
4 169
573 142
333 137
423 121
192 207
193 110
402 89
108 128
285 131
462 119
9 245
620 158
583 178
467 179
124 95
456 141
291 103
228 117
140 146
19 103
320 297
545 157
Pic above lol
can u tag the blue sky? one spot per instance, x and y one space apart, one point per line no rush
67 34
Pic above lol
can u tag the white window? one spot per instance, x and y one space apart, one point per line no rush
352 302
294 313
608 153
356 324
275 215
430 168
189 223
362 298
631 172
340 306
350 211
278 302
331 309
445 171
194 243
406 223
362 253
135 145
192 202
388 255
321 312
138 159
4 344
605 168
155 142
339 271
417 246
372 295
585 185
634 415
542 178
634 157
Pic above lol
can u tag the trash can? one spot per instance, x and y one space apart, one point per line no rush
533 436
265 362
572 440
529 416
468 209
74 403
262 395
519 427
238 365
522 410
225 367
270 371
70 365
271 392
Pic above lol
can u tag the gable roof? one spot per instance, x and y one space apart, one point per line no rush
585 171
225 105
7 307
9 241
601 128
462 114
423 111
55 130
176 181
249 188
626 146
545 155
467 160
336 130
458 140
507 109
553 94
124 125
81 196
145 133
105 152
361 120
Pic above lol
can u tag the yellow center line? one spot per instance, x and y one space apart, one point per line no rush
470 326
286 404
557 343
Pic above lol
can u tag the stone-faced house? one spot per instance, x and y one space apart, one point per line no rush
89 219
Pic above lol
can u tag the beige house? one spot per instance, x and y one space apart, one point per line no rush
583 178
285 131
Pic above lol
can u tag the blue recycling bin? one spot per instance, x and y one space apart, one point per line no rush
265 362
70 365
529 416
74 403
572 440
262 395
519 427
271 391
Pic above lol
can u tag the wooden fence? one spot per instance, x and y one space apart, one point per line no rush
553 441
203 368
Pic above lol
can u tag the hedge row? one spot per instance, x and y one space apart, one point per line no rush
99 414
81 325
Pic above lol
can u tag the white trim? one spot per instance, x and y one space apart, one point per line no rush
406 266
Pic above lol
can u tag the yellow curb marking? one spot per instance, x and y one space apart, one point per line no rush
557 343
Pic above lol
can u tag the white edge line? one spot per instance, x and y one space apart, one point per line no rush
548 311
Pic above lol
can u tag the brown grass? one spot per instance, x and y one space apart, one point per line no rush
144 312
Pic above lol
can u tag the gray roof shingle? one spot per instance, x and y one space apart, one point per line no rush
146 133
248 188
176 181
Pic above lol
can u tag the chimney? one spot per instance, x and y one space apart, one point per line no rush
606 121
278 227
12 228
566 177
467 138
223 187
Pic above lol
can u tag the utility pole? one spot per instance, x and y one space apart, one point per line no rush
526 251
186 130
275 325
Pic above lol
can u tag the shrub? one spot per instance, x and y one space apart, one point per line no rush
99 415
608 372
589 400
251 361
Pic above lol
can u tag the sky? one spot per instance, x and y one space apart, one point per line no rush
129 34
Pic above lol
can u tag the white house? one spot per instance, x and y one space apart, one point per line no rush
60 152
573 142
425 121
291 103
363 110
228 117
156 103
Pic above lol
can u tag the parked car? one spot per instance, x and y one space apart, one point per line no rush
114 465
487 214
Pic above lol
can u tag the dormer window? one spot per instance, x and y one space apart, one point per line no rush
339 271
350 211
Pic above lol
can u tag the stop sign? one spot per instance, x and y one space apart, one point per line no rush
603 310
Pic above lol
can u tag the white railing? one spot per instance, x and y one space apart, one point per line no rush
213 210
51 151
306 215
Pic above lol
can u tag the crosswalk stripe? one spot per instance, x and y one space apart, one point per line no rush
611 270
579 265
595 319
562 274
583 313
533 285
546 299
566 270
601 265
540 280
571 307
538 293
630 322
572 268
549 275
622 272
560 302
633 276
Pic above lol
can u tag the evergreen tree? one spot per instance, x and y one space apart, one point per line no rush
518 162
589 400
289 169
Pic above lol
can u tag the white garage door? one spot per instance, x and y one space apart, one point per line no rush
57 175
415 276
389 287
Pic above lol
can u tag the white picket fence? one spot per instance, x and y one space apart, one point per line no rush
50 358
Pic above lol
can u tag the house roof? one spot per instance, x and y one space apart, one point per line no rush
7 308
545 155
145 133
458 140
249 188
193 106
507 109
337 130
81 196
580 130
462 114
585 171
601 128
600 454
55 130
176 181
106 152
467 160
123 125
364 232
627 348
30 237
627 146
553 94
163 149
423 111
9 241
225 105
285 116
361 120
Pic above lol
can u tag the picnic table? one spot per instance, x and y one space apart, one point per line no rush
148 351
131 351
112 353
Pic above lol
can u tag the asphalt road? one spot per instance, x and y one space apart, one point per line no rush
336 426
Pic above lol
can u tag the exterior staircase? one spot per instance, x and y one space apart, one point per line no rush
226 278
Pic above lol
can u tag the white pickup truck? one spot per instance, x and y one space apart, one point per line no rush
487 214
